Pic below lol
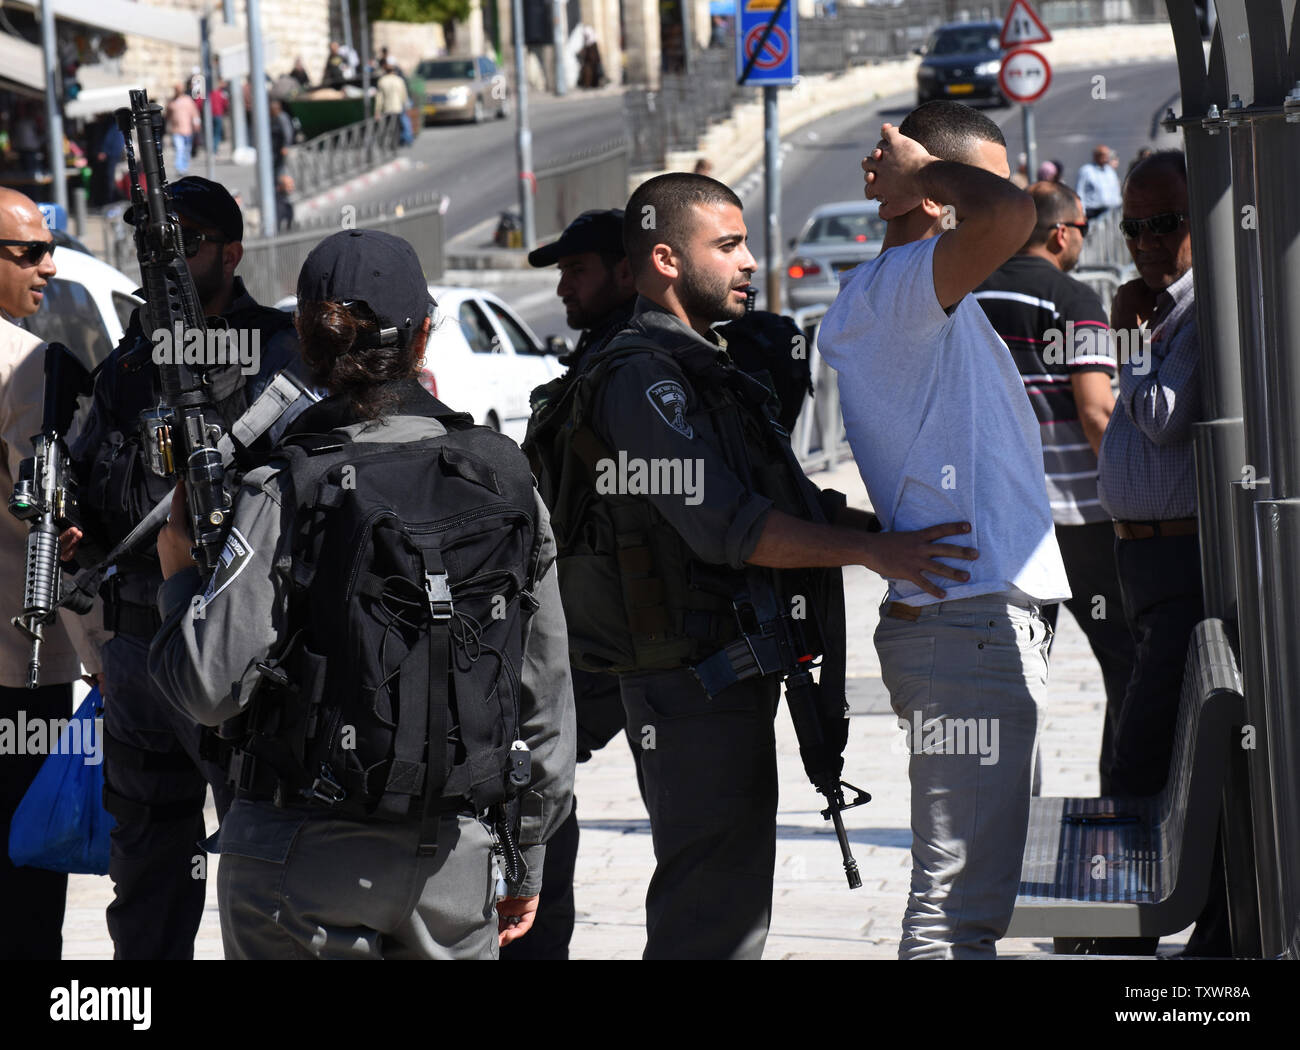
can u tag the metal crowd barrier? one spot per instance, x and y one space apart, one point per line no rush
818 439
593 179
336 156
270 267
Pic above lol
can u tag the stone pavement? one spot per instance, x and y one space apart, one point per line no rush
815 915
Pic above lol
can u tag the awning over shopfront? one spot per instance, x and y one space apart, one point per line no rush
20 66
124 16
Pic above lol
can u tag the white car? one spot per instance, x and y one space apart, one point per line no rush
481 358
87 306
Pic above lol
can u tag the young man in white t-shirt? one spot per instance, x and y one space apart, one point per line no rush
942 430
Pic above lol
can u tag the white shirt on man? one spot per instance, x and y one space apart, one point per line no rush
940 426
1098 187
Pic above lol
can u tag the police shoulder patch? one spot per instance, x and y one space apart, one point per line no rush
235 556
669 400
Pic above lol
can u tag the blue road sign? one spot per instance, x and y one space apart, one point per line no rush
55 218
777 64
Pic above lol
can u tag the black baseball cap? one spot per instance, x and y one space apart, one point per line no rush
371 267
592 231
204 203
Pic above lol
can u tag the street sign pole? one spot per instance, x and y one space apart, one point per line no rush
209 86
53 109
261 119
767 53
1031 142
524 135
772 196
1025 74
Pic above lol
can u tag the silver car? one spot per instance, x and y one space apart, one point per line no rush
836 237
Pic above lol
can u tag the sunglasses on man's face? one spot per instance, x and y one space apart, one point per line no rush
192 241
1161 225
34 251
1082 227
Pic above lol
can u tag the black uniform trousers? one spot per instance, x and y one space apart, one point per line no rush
598 706
1089 555
711 789
155 786
31 899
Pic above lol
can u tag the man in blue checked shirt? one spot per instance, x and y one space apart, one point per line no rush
1147 483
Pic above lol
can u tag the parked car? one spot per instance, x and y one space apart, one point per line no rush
87 304
961 61
481 358
836 237
463 89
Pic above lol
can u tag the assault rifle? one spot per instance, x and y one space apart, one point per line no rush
180 438
774 642
45 495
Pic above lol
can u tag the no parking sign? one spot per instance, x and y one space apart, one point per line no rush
774 53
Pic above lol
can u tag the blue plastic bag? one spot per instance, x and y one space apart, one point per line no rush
61 823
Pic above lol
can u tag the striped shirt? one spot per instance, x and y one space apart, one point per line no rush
1147 466
1055 328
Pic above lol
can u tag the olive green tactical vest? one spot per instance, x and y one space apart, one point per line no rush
635 596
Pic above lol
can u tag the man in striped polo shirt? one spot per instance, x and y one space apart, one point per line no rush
1059 338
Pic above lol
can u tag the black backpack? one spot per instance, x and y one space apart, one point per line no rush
412 574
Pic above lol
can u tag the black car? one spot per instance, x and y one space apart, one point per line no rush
961 61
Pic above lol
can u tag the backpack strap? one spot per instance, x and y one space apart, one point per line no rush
422 722
310 458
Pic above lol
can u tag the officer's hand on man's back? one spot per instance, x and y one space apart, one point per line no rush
908 555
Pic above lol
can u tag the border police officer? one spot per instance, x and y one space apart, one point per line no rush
666 480
155 781
596 288
307 873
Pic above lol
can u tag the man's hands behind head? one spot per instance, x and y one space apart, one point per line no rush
890 172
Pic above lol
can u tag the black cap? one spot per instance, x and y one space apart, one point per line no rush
374 268
204 203
592 231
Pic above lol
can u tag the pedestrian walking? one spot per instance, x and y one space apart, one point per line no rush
1098 183
182 116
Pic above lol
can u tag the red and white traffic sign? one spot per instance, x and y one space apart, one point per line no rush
1022 26
775 51
1025 75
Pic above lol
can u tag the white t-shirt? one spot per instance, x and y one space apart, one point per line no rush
941 427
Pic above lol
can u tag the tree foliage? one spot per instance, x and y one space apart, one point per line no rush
440 11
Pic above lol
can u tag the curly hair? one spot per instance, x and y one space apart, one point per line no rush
334 344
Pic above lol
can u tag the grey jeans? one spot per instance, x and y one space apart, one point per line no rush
968 682
308 887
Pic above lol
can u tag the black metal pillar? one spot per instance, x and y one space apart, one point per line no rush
1219 440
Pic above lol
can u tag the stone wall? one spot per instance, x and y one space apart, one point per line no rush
296 27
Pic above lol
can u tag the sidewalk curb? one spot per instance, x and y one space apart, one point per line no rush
308 207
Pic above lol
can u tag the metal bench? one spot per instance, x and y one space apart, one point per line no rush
1139 867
